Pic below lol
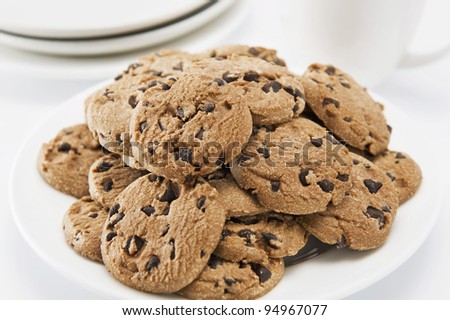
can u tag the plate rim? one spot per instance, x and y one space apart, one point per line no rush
337 294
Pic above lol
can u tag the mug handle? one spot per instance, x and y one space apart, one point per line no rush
415 60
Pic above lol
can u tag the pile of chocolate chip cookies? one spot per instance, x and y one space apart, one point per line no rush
196 174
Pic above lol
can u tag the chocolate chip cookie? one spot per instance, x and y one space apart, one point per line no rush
266 54
254 239
223 279
238 202
362 221
108 176
346 108
109 109
64 162
295 168
82 225
403 171
192 129
271 92
160 234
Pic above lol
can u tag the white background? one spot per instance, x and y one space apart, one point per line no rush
424 93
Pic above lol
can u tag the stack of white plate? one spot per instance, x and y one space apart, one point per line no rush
97 27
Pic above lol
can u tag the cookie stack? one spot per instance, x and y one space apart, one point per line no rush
198 173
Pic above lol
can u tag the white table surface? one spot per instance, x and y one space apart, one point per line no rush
423 92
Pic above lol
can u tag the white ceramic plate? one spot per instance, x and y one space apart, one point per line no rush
113 45
38 210
28 64
86 18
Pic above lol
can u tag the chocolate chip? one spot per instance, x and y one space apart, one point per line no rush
328 101
153 262
355 161
229 281
155 73
132 101
374 213
392 177
172 252
185 155
111 236
246 234
317 142
93 215
202 253
199 134
389 128
180 113
251 76
275 185
268 238
253 51
208 107
295 108
142 126
263 273
215 261
264 151
372 186
400 155
219 82
225 233
64 147
330 70
342 177
160 125
165 231
201 202
148 210
133 245
274 85
386 209
165 211
117 218
153 177
302 177
104 166
107 185
326 185
118 77
347 119
168 196
230 77
165 86
114 209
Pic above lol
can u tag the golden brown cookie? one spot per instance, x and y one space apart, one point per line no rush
362 221
160 234
295 168
346 108
64 161
404 172
82 225
269 55
192 129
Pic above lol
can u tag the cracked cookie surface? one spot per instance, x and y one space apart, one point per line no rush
346 108
190 130
295 168
160 234
64 161
364 218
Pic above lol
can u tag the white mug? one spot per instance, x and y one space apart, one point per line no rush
366 38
